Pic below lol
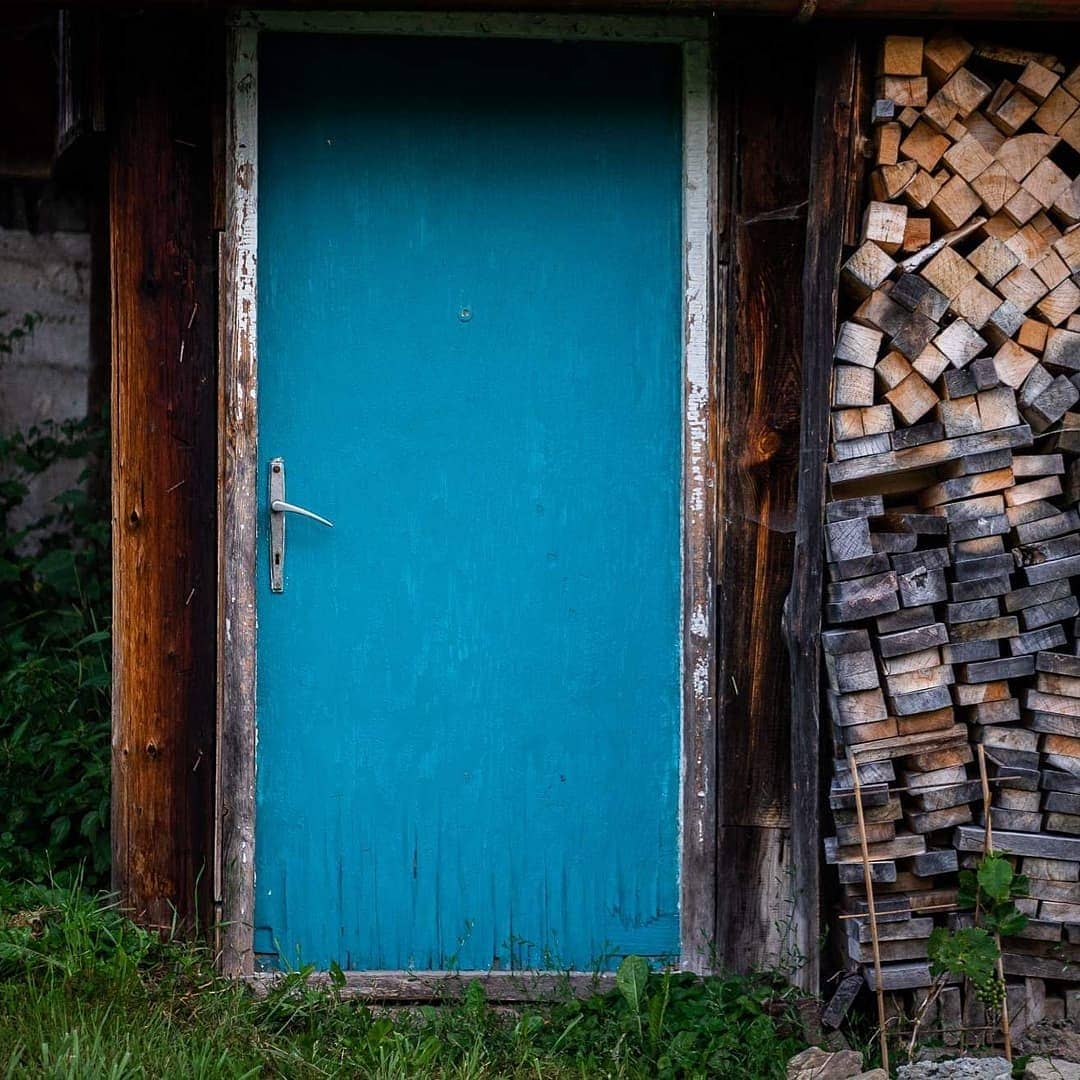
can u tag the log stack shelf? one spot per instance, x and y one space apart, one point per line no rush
952 526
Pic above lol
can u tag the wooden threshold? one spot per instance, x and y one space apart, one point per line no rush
418 987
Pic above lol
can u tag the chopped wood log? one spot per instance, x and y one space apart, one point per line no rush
853 386
949 272
1003 324
1021 154
912 398
903 89
917 233
1013 364
1061 302
993 260
914 333
867 269
848 539
1022 287
892 369
890 181
887 138
924 145
1010 108
1062 350
1032 335
960 342
976 304
856 344
966 91
994 187
959 416
902 55
884 224
943 54
915 293
1055 110
1046 182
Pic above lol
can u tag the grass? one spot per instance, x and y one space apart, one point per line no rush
86 994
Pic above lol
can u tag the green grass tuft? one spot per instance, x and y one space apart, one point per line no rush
84 993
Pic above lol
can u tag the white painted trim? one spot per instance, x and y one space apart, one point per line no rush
239 365
674 29
697 782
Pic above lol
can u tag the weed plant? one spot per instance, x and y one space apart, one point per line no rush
54 661
85 993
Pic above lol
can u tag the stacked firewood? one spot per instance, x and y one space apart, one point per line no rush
953 537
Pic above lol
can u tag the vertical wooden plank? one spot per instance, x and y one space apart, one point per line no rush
834 143
235 816
698 869
164 468
759 444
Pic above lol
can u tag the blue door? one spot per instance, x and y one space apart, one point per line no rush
469 360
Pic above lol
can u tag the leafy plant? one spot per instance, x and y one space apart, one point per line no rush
54 655
974 952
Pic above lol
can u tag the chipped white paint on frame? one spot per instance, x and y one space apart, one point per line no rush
697 890
234 819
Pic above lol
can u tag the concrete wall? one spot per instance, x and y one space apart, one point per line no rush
47 271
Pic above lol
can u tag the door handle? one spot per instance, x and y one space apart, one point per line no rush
278 509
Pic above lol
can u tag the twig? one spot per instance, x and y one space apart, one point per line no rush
867 878
988 847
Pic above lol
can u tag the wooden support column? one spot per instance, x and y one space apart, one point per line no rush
833 184
759 445
164 463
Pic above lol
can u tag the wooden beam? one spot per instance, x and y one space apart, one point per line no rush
235 811
164 466
1047 10
837 105
759 437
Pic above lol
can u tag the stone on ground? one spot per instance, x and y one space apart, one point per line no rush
818 1064
1051 1069
995 1068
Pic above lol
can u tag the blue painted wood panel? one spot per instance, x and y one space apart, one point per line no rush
469 357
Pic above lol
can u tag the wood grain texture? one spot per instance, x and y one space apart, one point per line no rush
758 455
235 810
836 109
163 439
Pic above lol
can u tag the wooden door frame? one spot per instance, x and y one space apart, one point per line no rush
234 819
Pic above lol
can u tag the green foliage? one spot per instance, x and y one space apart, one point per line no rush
970 953
54 661
73 974
973 952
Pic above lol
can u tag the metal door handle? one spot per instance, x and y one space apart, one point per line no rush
278 509
281 507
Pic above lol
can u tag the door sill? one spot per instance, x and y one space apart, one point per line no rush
414 987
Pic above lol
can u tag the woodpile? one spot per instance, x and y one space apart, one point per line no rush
952 526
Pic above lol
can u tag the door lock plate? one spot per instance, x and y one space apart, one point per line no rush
277 526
